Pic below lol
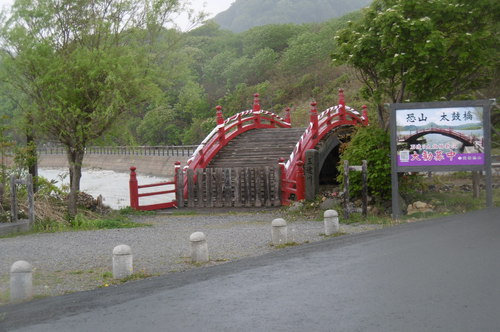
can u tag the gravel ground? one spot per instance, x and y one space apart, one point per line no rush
75 261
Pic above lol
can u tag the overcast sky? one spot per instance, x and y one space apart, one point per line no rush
211 7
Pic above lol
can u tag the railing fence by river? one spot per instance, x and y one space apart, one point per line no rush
163 150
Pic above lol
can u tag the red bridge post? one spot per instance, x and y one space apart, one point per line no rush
240 124
287 115
133 189
365 115
256 108
342 112
313 118
220 122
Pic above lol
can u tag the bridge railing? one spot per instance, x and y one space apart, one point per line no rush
162 150
135 195
319 126
231 127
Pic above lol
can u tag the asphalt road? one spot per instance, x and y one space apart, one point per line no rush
436 275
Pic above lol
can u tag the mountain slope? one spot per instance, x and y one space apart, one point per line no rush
245 14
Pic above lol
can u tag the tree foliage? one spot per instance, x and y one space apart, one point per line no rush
421 50
82 64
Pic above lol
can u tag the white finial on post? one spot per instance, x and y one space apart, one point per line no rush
21 282
122 262
199 248
279 231
331 219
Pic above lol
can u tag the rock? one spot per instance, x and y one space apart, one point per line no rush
328 204
419 207
296 206
86 201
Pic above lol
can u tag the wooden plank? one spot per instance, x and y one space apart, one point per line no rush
199 188
208 188
248 202
277 186
258 187
267 186
219 185
190 175
237 188
180 189
228 192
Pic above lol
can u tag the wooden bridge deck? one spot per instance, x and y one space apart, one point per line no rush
258 148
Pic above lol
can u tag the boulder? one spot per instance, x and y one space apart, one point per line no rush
419 207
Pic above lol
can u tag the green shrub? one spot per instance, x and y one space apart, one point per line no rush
373 145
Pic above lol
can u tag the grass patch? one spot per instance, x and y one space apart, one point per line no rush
285 245
83 223
4 297
333 235
127 211
184 213
107 278
136 276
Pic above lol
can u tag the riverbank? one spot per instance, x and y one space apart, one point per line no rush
112 186
163 166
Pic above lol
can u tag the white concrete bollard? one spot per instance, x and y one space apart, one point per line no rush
331 218
199 248
279 231
21 281
122 262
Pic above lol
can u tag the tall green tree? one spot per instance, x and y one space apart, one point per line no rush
421 50
83 64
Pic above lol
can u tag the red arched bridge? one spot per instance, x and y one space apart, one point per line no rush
466 140
256 158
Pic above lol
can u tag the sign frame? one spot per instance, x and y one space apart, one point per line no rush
428 108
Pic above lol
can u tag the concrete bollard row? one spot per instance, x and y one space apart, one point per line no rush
331 220
279 231
21 282
199 248
122 262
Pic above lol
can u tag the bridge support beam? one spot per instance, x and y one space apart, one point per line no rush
311 170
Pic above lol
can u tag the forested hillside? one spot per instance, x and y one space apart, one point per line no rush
288 64
246 14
